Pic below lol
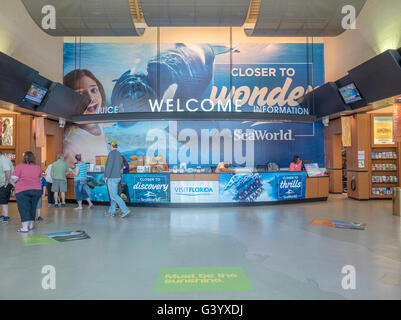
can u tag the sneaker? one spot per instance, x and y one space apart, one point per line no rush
40 219
1 218
5 219
63 205
56 205
78 208
125 214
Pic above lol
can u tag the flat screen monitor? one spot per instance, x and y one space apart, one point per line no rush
350 93
35 94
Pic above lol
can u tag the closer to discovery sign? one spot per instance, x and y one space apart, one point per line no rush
149 187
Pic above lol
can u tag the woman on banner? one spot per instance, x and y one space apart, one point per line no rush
86 139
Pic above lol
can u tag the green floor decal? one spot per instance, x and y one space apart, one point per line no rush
202 279
36 239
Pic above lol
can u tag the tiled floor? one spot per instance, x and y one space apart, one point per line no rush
282 256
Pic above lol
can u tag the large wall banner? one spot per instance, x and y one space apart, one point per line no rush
130 77
198 77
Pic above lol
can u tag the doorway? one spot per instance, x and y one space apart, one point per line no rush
50 148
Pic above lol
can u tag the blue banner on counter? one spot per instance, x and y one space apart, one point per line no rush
260 187
145 188
97 187
134 188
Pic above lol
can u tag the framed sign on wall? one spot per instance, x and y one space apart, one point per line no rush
383 130
7 131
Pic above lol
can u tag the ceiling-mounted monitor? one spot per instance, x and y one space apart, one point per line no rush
35 94
350 93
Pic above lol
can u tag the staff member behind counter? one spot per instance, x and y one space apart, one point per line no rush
296 164
224 167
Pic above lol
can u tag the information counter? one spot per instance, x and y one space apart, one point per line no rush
210 188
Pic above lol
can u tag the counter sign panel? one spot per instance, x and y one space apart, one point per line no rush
194 191
150 188
262 187
291 186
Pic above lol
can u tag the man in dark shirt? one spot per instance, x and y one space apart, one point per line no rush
112 176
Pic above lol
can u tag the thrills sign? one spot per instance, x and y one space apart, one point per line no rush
291 186
262 187
266 78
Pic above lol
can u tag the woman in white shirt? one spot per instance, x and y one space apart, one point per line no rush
49 182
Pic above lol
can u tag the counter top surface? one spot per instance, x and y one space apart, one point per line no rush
206 173
169 172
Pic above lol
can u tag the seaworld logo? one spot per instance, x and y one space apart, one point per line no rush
193 191
261 135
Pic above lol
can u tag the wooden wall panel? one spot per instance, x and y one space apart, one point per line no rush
336 180
333 154
52 128
317 188
362 191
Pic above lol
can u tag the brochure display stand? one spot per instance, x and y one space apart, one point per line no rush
384 157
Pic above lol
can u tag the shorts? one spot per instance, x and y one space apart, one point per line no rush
59 186
5 194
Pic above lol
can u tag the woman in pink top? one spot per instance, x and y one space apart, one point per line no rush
296 164
28 189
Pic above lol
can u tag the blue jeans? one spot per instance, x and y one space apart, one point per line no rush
81 190
112 184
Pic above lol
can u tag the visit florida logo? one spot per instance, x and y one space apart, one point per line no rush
193 191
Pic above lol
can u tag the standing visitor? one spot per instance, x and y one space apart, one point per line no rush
49 183
6 168
296 164
39 205
58 173
80 182
112 176
28 189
